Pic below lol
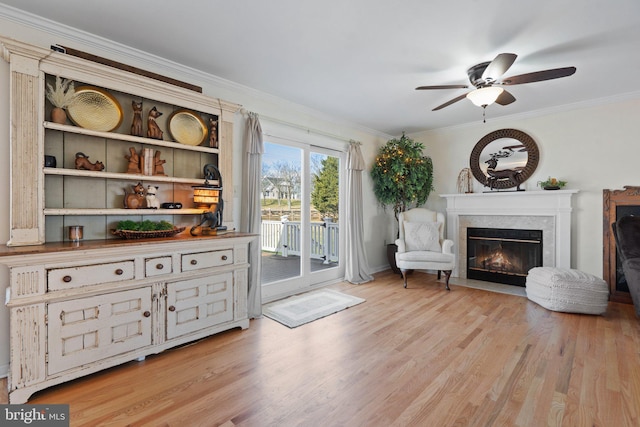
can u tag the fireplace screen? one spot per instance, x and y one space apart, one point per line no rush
503 255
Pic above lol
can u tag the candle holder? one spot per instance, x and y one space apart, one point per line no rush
75 233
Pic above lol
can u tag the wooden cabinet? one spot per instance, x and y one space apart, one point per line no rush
616 204
78 307
96 318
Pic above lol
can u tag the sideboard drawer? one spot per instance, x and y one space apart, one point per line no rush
200 260
75 277
157 266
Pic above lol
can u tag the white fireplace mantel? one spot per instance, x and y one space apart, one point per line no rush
548 210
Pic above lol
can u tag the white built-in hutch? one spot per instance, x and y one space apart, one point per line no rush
80 307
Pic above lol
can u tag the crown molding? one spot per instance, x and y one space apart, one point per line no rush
590 103
123 53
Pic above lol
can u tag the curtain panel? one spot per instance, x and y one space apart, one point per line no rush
356 264
250 217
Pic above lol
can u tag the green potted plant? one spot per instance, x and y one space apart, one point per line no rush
552 184
402 177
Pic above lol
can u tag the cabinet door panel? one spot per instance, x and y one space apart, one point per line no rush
89 329
199 303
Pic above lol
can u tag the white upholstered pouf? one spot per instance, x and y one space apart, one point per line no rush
570 291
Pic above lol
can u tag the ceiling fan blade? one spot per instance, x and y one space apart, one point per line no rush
539 76
442 87
505 98
498 66
446 104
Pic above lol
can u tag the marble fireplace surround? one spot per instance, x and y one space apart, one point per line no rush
549 211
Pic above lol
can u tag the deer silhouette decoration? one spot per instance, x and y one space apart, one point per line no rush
513 175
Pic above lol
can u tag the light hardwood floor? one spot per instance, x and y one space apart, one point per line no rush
406 357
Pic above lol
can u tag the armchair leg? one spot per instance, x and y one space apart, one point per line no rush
404 276
447 275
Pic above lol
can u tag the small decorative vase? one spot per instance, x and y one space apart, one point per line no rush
58 115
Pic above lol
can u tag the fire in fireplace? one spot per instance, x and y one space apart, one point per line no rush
503 255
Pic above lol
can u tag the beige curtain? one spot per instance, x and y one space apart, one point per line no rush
356 267
250 216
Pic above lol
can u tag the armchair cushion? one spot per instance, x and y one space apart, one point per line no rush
422 236
430 257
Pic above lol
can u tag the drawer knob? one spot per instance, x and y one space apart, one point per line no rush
119 272
194 262
159 266
172 308
66 279
146 313
224 257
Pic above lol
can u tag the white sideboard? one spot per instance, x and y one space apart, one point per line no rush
77 308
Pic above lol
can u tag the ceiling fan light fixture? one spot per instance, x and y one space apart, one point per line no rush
485 95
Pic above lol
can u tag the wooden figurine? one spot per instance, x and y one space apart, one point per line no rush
151 199
82 162
135 200
153 130
213 133
134 161
136 125
158 169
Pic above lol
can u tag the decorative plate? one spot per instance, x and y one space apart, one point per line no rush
187 127
130 234
96 109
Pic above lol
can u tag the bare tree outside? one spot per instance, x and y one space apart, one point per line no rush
287 182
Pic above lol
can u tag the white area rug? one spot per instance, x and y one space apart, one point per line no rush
300 309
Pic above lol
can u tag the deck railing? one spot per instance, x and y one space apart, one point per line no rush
284 237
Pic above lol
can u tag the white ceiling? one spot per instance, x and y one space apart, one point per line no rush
360 60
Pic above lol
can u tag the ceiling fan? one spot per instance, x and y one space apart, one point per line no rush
486 78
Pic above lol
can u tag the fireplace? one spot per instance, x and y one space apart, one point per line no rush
502 255
549 211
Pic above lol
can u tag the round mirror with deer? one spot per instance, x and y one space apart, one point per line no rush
504 159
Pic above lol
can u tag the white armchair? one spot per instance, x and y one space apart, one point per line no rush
421 244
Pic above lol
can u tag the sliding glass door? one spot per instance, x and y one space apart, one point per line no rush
324 213
281 203
301 196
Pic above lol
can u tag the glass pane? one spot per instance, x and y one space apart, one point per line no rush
280 202
324 219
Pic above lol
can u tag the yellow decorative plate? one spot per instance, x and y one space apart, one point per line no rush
187 127
95 109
